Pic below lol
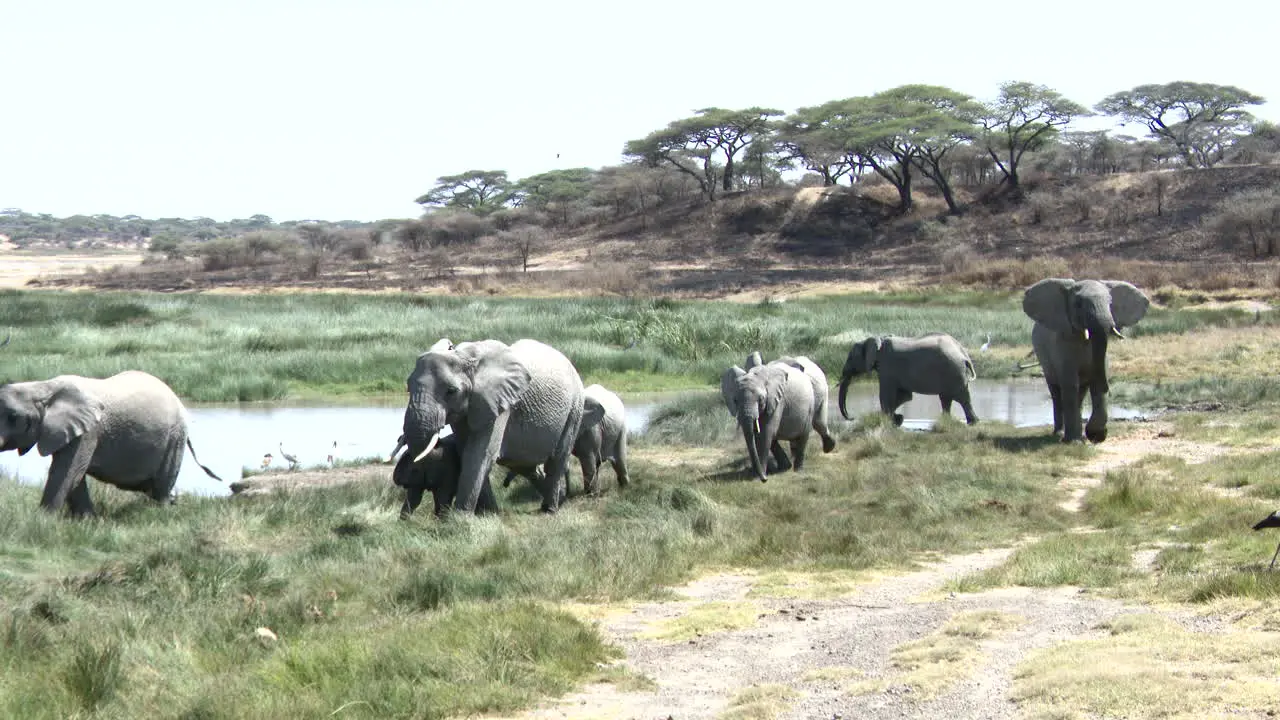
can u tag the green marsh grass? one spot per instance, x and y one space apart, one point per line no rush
262 347
152 611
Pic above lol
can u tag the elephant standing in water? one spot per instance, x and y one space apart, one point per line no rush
1074 321
516 405
602 436
933 364
129 430
774 402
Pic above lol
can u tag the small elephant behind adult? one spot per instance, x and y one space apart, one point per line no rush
128 430
771 402
932 364
821 392
1074 321
436 473
602 436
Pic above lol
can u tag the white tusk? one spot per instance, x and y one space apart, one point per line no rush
757 425
1086 333
1117 333
430 446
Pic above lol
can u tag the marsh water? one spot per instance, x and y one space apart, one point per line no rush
229 438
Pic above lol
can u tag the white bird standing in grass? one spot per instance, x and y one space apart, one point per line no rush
291 459
986 345
333 454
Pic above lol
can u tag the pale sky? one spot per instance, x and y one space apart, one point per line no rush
314 109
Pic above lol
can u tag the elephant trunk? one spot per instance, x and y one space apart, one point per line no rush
412 499
844 392
1098 339
423 421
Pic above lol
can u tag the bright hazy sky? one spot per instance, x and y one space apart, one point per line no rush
315 109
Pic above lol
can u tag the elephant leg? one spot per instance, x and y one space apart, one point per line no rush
966 404
1055 394
1096 429
78 502
590 464
412 499
619 461
506 481
1071 396
67 470
478 455
558 465
820 424
780 456
798 447
487 504
945 401
167 475
889 400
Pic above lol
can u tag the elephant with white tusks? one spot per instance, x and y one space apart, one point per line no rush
517 405
932 364
129 430
775 402
1074 322
602 436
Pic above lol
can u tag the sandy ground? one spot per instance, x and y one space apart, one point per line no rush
17 269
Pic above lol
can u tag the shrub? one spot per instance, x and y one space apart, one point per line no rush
1251 216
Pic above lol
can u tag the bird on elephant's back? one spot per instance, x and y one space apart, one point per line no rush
517 405
931 364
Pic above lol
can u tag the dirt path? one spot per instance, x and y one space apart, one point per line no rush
833 658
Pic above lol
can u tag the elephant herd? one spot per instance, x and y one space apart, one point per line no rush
523 406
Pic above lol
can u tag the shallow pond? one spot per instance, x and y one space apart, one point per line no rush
229 438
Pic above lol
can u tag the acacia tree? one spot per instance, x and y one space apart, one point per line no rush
555 192
1024 117
936 120
1200 120
691 145
479 191
807 136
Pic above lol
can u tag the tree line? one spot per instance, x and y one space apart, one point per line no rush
911 133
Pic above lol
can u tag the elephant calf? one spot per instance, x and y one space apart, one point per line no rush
781 400
602 436
933 364
129 430
438 473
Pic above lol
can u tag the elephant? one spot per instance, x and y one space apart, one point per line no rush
602 436
438 473
517 405
129 430
774 402
932 364
1074 320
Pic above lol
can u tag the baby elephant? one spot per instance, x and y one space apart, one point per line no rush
933 364
602 436
777 401
437 473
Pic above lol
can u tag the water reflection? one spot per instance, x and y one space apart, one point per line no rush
229 438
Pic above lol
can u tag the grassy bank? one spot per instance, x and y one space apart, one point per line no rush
267 347
153 611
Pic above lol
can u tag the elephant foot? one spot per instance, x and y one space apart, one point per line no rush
1095 436
971 421
828 443
897 419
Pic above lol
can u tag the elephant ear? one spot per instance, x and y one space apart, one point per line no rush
1128 303
1046 303
69 413
442 345
499 380
592 412
870 349
754 359
729 388
775 382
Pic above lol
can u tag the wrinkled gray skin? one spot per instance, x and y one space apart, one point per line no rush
602 436
1074 322
772 403
933 364
129 430
516 405
437 473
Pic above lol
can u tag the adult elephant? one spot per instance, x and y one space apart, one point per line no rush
1074 320
517 405
772 402
129 430
933 364
602 436
438 474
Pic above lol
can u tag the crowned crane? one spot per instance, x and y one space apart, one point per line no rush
291 459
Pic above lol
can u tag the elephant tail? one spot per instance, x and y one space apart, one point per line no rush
206 470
